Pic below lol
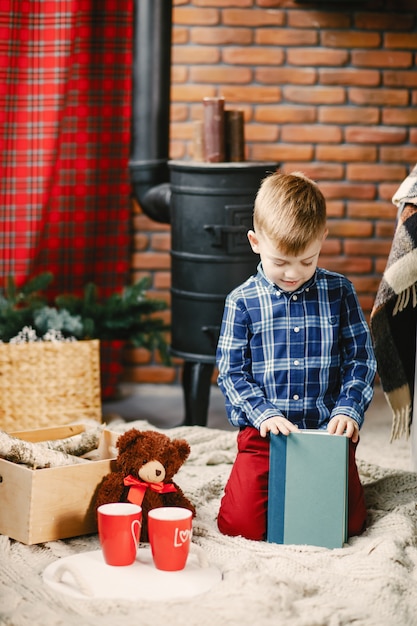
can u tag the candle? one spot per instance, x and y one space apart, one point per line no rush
235 141
214 135
198 141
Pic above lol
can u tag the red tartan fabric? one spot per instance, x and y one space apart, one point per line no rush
65 110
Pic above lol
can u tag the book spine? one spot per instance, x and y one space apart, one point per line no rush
276 489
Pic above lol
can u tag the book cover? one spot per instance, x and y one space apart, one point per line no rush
307 499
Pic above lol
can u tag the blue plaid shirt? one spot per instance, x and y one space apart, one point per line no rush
306 355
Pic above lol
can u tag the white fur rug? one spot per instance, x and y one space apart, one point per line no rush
372 581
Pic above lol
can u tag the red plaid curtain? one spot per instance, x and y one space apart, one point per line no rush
65 110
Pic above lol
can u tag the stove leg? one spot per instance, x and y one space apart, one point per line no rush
196 382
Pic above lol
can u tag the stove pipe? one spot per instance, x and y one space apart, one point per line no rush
151 84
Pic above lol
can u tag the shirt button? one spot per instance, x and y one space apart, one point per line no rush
296 397
296 362
294 298
296 329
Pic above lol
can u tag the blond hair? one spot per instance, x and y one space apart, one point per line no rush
290 210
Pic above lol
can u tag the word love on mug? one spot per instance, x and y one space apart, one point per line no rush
170 530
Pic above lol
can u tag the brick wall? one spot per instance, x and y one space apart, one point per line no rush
328 89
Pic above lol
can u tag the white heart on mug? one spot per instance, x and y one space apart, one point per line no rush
185 535
181 536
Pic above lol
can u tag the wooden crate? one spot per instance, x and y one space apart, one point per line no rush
55 503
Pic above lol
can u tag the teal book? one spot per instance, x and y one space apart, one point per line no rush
307 493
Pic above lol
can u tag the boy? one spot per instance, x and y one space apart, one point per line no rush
294 351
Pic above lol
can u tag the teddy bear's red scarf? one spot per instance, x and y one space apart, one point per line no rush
138 488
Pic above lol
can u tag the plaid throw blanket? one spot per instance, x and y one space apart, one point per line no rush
394 315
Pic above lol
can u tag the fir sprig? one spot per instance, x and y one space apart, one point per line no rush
128 315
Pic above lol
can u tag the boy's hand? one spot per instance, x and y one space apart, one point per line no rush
344 425
275 425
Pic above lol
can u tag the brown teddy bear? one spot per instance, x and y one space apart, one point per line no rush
146 463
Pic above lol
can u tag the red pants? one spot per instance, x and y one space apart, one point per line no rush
243 509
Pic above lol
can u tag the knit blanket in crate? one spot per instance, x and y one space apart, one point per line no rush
394 315
371 581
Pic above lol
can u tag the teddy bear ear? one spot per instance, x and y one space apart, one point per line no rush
128 439
182 447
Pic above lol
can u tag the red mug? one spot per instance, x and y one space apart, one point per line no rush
170 531
119 525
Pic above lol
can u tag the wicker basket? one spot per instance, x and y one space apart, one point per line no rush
49 383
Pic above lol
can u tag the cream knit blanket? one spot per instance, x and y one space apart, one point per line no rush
372 581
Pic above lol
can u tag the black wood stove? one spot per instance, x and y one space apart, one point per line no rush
211 211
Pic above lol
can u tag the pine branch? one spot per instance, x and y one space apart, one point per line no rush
128 315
